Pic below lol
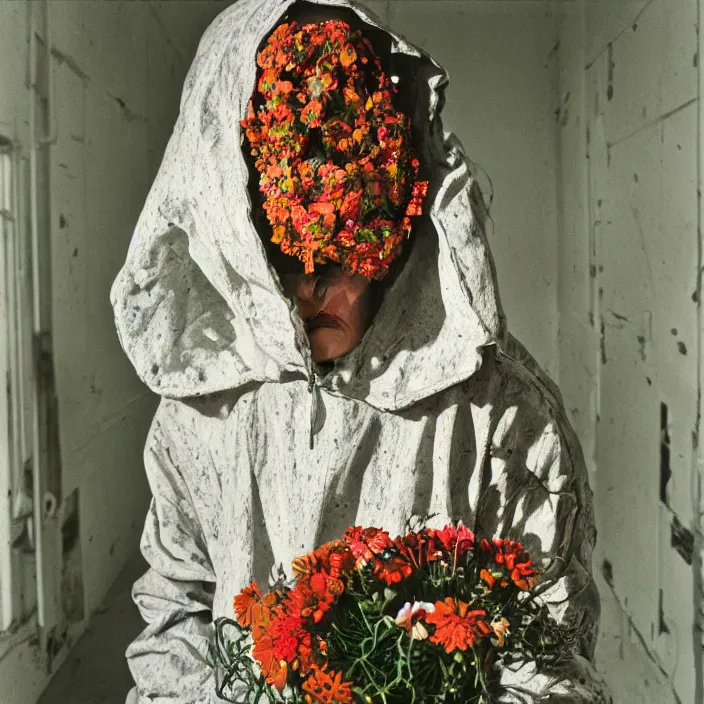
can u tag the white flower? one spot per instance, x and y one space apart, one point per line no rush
406 615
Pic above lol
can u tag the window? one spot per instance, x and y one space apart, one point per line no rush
16 555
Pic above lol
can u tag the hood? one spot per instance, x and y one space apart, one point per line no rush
199 310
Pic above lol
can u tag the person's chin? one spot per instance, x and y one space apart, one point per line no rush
327 344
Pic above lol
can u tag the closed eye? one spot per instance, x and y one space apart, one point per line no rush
321 286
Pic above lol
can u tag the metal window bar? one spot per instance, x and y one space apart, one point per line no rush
15 494
10 448
6 440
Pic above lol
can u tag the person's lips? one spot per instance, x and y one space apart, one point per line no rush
323 320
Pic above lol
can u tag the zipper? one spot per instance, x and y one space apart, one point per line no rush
314 391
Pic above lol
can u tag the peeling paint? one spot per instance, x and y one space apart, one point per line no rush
127 113
62 58
641 347
72 589
665 469
611 66
618 316
682 539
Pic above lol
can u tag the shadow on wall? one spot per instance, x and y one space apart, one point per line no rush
96 671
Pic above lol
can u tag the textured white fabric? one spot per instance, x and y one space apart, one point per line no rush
438 411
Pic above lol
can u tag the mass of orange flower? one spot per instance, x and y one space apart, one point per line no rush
335 158
447 592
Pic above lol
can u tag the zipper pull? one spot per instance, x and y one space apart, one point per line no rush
312 383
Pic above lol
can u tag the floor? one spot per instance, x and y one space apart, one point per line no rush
96 671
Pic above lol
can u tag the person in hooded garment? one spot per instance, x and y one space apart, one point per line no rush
300 398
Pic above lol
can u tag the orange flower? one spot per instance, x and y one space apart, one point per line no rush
251 607
327 688
351 96
456 626
488 578
274 670
244 602
274 171
492 577
341 561
267 81
310 115
500 627
282 88
327 210
348 56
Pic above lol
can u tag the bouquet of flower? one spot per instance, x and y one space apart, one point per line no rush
424 617
336 162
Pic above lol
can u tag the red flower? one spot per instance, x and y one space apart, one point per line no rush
314 597
413 547
365 543
392 571
456 626
453 538
288 634
512 556
286 647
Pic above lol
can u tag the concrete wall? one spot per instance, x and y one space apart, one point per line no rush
118 69
502 64
628 338
592 150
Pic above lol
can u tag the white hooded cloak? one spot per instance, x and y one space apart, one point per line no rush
255 456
